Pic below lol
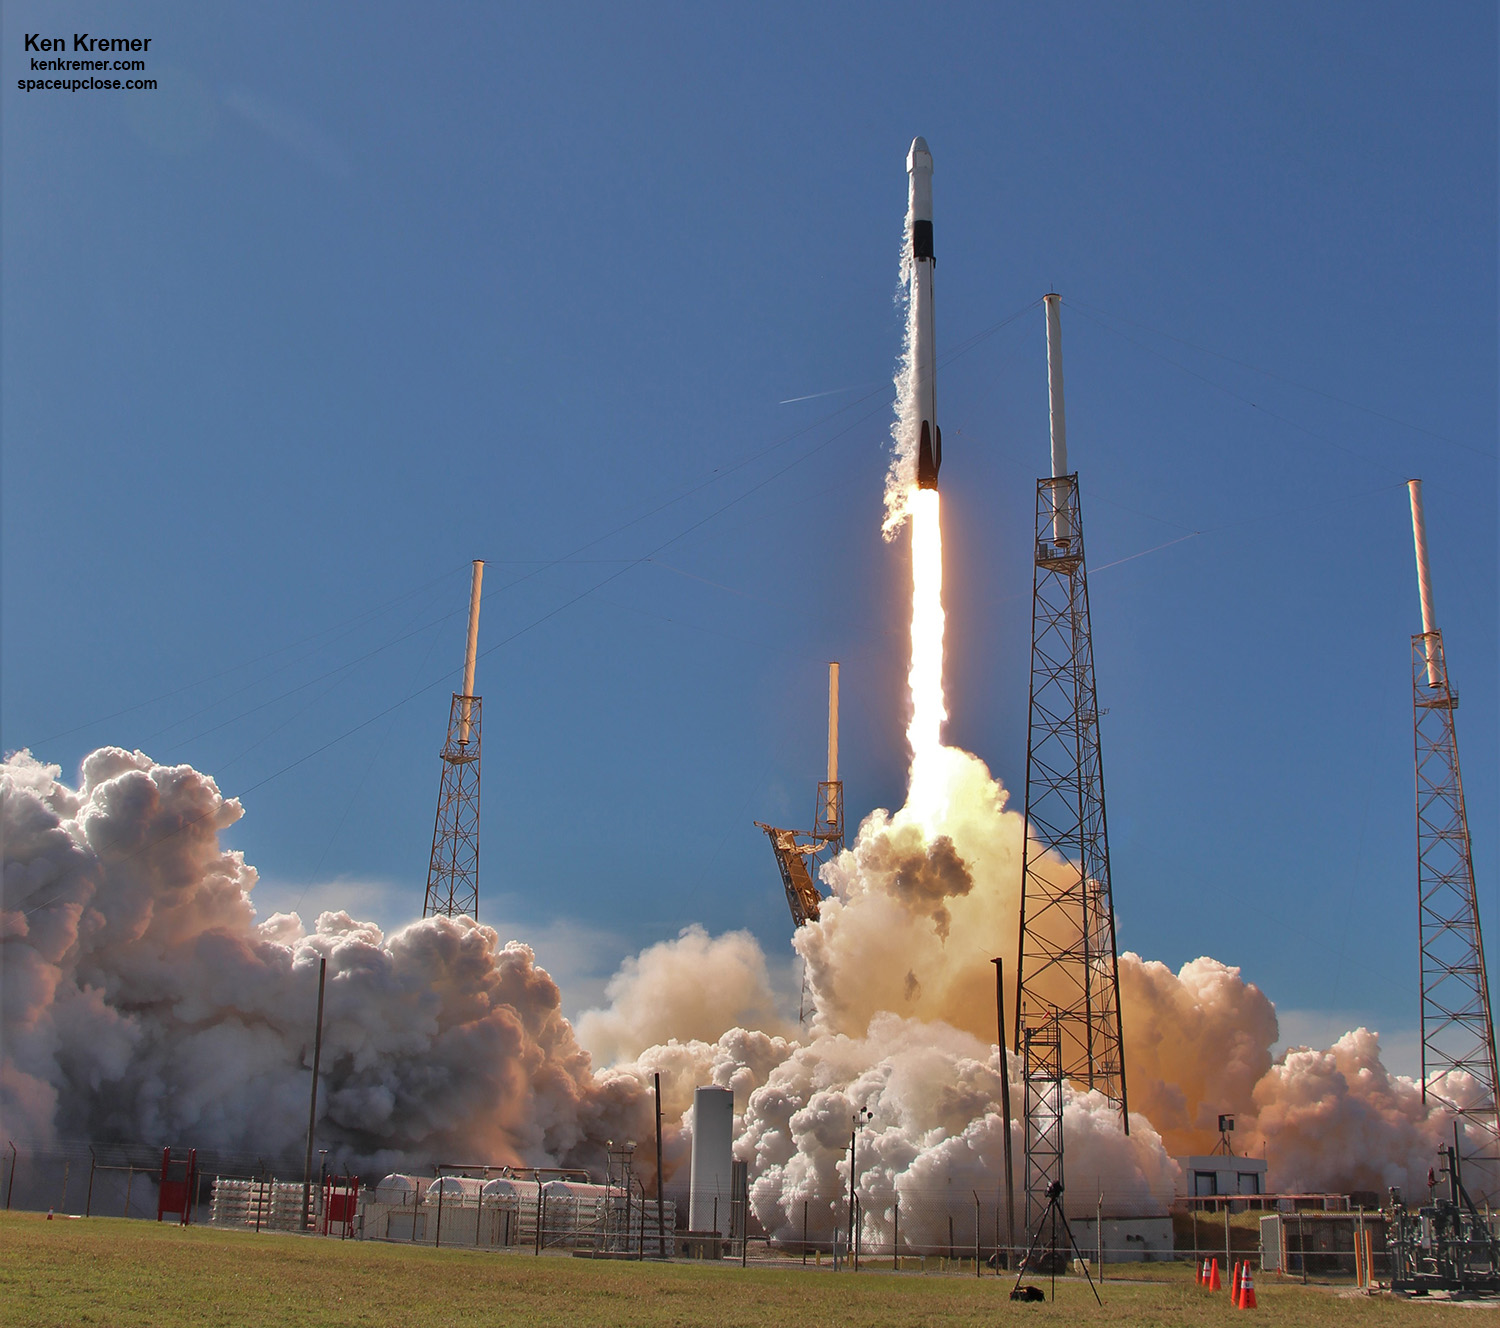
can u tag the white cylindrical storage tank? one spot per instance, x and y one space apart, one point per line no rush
398 1190
458 1190
502 1190
712 1165
574 1189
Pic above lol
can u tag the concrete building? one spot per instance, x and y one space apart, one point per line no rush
1206 1176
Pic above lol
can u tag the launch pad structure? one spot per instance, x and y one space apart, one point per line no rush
453 869
1068 974
797 850
1458 1031
1042 1082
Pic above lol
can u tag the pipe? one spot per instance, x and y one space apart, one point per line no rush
1433 644
472 650
1061 525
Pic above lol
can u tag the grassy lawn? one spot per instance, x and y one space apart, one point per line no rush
108 1271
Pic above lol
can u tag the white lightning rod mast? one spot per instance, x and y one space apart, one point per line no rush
1432 644
471 653
1053 303
833 723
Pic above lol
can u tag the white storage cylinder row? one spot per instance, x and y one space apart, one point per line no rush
271 1205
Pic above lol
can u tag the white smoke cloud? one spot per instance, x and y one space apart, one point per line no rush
690 988
1339 1114
936 1128
142 1001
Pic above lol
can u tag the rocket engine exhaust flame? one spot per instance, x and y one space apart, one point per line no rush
928 781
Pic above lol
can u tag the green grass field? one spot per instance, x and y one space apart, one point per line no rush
107 1271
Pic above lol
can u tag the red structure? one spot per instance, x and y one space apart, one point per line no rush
340 1203
174 1194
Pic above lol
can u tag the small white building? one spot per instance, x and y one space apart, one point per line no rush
1207 1176
1125 1239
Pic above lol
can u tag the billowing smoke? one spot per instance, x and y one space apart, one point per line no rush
933 1096
1341 1114
898 972
142 1002
693 987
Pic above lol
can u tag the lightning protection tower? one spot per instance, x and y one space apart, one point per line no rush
453 871
797 850
1068 966
1458 1032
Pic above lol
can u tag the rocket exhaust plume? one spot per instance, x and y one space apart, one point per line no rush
914 476
926 793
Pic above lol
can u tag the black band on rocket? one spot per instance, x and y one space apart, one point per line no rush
921 239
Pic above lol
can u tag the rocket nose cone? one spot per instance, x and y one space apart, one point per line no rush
919 158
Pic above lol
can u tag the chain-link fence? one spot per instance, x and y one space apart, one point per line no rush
116 1180
911 1230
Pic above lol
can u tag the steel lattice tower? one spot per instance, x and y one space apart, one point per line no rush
1041 1057
1458 1032
1068 963
453 870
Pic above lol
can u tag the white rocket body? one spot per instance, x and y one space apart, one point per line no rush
923 352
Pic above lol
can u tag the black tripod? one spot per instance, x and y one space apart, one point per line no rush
1053 1214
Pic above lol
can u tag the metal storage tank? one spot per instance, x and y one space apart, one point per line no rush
461 1190
398 1189
712 1170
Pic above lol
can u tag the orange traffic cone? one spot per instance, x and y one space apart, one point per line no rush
1234 1285
1200 1273
1213 1277
1247 1290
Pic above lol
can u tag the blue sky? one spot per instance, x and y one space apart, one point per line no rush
363 292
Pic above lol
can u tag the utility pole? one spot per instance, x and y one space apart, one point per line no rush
860 1116
1010 1174
312 1110
661 1230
